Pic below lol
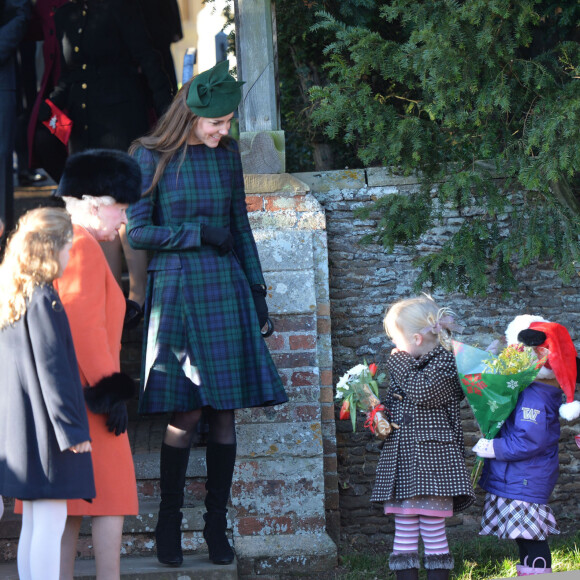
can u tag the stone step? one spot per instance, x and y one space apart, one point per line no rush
138 531
138 537
196 566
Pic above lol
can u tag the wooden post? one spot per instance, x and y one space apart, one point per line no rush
261 140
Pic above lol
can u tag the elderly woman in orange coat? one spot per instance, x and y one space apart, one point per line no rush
97 186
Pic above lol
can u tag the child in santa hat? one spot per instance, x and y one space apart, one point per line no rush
521 462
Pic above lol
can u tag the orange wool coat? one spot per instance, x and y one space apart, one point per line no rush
95 307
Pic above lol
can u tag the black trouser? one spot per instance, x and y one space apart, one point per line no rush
533 549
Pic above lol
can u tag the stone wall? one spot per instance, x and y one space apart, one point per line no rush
363 281
285 484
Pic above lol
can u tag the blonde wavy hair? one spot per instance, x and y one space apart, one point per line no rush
31 258
420 315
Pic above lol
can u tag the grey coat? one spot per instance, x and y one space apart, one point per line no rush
424 456
42 410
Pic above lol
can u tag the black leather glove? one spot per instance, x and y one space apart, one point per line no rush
259 294
118 419
44 112
221 238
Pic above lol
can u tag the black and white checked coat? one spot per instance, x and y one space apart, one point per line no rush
425 455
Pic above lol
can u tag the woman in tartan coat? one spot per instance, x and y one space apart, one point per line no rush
205 302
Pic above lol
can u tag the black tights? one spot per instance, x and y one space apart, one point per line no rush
533 549
183 425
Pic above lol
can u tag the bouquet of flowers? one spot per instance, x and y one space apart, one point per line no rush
358 389
492 385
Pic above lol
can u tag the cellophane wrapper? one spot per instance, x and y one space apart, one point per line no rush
368 401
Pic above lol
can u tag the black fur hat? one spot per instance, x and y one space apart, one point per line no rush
100 172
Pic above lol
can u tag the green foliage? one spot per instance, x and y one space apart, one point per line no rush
434 88
300 67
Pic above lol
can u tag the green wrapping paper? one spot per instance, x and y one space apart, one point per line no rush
492 397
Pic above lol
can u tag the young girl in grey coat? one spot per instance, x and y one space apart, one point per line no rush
421 474
44 432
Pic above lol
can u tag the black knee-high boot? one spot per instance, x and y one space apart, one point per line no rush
220 468
173 466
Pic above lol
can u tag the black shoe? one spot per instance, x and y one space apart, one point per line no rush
133 315
168 539
214 534
28 178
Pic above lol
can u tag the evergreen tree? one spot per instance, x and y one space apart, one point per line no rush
300 66
460 92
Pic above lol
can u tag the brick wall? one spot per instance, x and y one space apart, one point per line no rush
363 281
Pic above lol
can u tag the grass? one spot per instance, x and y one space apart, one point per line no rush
479 558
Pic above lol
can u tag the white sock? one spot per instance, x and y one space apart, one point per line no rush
43 522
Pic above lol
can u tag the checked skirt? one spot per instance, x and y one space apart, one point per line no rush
512 519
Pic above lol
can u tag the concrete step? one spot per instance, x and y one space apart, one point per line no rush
195 566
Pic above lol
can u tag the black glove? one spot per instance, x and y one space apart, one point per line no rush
108 397
118 419
259 294
44 112
218 237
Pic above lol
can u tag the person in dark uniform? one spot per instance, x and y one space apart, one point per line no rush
14 15
106 52
104 46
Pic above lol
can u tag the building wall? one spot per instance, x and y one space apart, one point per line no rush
363 281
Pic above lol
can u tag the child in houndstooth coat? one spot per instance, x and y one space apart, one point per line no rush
421 474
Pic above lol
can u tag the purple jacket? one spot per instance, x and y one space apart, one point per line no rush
526 448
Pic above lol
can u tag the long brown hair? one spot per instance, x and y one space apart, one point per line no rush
170 134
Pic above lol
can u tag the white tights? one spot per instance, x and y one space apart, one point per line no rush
43 522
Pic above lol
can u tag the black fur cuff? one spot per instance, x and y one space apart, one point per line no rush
109 391
438 562
404 561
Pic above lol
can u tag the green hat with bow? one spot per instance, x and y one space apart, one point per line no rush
214 92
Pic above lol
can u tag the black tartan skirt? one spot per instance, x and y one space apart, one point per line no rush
511 519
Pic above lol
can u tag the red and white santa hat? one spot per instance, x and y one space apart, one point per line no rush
562 358
522 322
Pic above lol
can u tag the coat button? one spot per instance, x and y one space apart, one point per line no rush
76 48
84 67
84 106
84 85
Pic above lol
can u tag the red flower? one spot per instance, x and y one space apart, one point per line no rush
373 369
344 410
